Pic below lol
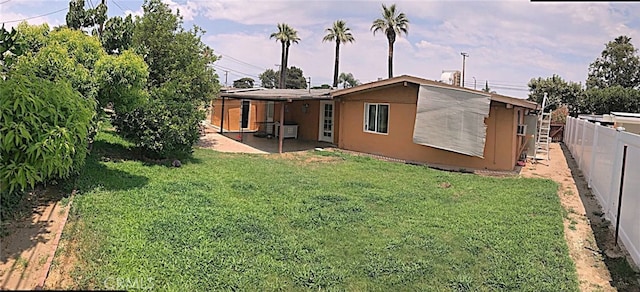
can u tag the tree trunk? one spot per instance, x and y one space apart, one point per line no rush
335 68
284 67
390 58
282 61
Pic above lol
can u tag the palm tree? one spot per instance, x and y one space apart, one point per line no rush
286 35
348 80
339 33
392 23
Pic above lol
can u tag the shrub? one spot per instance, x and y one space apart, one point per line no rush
162 127
121 80
43 130
180 82
559 115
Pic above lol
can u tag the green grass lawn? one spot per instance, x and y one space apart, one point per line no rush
251 222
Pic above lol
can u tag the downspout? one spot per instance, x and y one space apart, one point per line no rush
222 117
281 132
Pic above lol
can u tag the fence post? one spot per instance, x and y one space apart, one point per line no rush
593 152
584 129
615 167
566 131
575 138
570 133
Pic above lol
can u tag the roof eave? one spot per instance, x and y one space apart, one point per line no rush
416 80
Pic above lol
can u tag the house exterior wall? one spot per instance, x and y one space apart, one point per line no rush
501 141
307 118
629 127
232 114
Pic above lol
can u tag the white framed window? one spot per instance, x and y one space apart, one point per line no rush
376 118
522 130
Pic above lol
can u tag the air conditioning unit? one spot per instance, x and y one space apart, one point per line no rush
522 130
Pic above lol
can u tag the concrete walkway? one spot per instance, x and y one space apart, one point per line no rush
249 143
218 142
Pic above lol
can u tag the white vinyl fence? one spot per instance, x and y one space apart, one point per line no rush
599 152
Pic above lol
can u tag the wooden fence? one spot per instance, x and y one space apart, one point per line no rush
557 132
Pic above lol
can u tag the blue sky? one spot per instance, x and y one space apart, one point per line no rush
508 42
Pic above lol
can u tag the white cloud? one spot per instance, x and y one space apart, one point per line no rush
188 10
509 42
295 13
138 12
11 16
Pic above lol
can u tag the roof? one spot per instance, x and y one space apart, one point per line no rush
626 115
276 94
421 81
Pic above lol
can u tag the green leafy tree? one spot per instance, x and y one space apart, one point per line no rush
68 56
181 83
33 37
609 99
78 17
559 92
84 49
392 23
245 82
617 65
341 34
285 35
347 80
122 80
269 78
323 86
44 126
295 79
54 64
9 47
117 35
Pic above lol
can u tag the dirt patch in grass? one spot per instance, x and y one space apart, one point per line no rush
29 241
61 274
600 265
308 157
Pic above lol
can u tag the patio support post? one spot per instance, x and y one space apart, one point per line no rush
281 130
221 117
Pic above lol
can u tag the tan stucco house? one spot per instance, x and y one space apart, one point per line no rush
404 117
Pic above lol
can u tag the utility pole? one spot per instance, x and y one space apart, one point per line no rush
104 2
464 57
280 85
309 83
474 82
226 74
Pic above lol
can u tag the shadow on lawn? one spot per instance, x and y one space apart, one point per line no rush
623 276
97 174
107 151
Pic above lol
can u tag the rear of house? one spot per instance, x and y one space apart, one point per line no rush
404 117
380 118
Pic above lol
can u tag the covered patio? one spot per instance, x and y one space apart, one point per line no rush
248 143
253 117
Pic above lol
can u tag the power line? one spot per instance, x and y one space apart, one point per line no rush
240 61
226 68
496 84
32 17
118 5
3 2
90 4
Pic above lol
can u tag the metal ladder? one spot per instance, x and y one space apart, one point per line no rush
544 128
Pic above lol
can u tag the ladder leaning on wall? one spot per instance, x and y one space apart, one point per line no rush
544 127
